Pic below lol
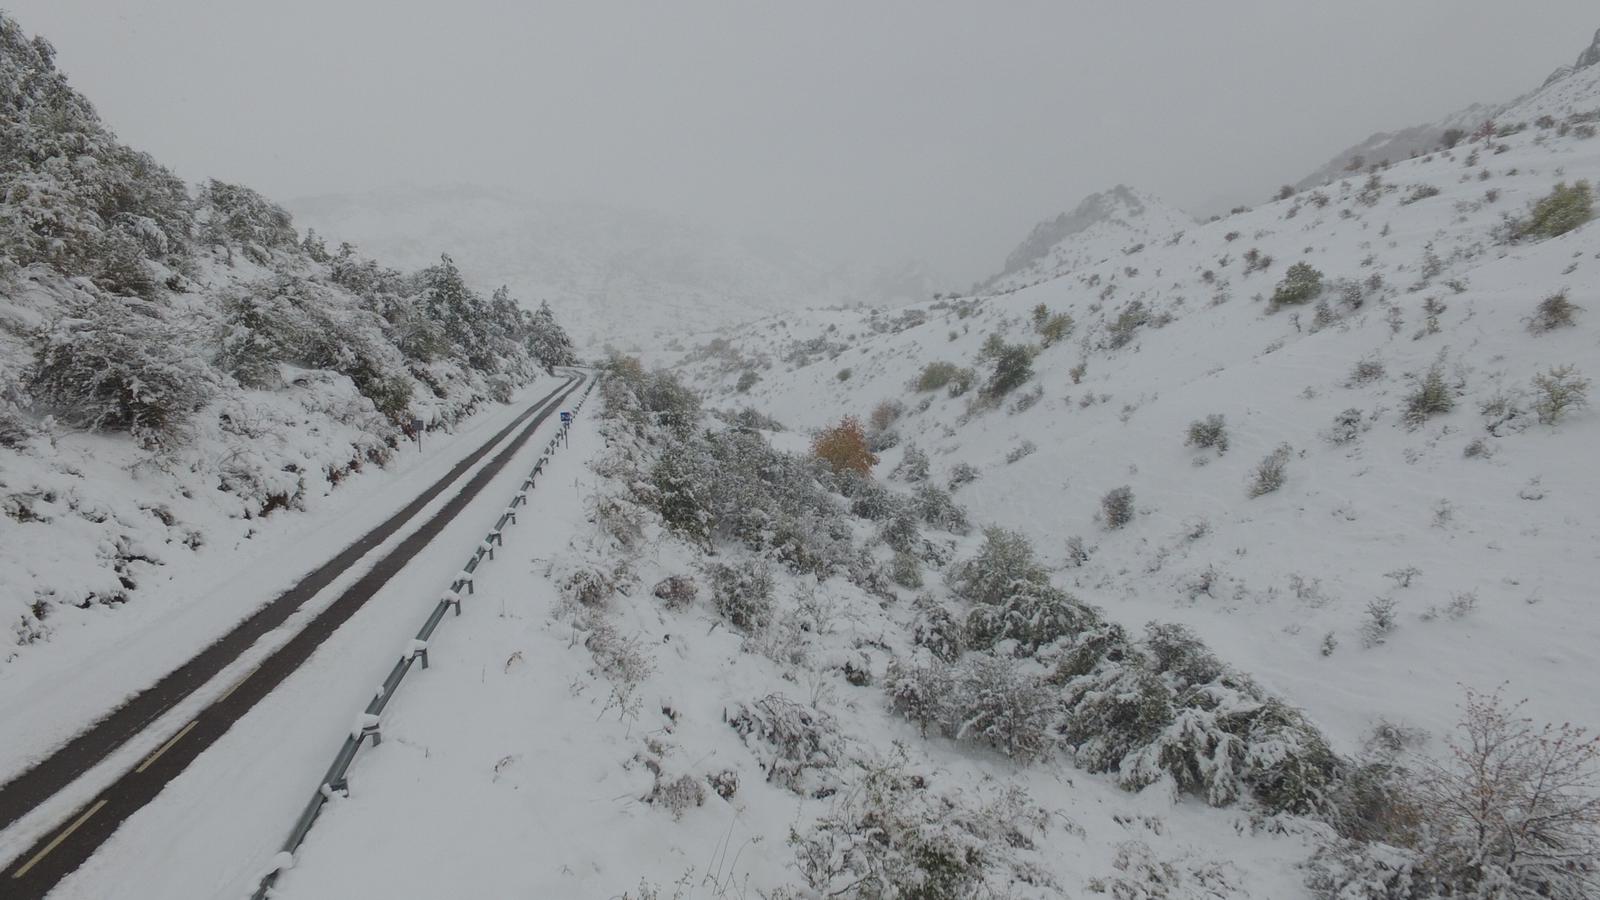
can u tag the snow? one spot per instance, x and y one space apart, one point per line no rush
216 828
508 772
1292 567
87 669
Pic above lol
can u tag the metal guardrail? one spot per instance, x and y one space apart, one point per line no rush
368 724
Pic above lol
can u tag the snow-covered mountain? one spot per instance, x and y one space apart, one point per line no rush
1393 146
1422 283
618 275
1121 219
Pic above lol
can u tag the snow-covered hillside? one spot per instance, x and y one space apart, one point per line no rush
1405 143
618 276
1118 220
1410 550
181 371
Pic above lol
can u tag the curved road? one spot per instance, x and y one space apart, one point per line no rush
59 852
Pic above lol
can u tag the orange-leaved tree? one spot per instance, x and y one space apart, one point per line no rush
844 447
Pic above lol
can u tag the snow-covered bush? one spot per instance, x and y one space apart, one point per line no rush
798 745
939 509
1271 472
742 593
586 584
678 591
676 795
906 570
232 214
120 365
994 701
936 375
1116 507
981 697
1347 426
1554 311
962 474
1005 560
1021 452
1562 210
937 630
913 466
1431 397
1031 616
1013 366
1128 321
1210 432
1168 711
1558 392
624 661
900 532
1301 284
890 836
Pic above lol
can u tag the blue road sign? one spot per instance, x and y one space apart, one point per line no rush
565 417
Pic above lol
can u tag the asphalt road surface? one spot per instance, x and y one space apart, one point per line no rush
62 850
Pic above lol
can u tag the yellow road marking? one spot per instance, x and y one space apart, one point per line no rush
229 691
59 838
165 747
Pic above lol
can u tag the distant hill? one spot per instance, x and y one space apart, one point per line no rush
617 275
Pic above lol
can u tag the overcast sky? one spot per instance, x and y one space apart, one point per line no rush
883 130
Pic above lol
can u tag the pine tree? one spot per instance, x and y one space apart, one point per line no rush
548 341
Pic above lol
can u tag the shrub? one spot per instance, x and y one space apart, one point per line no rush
119 366
1347 426
994 702
844 374
1032 615
906 570
1021 451
885 414
1420 192
676 795
890 836
1557 392
1271 472
913 466
1366 371
1052 329
900 532
962 474
1554 311
1005 561
742 593
1515 805
1559 212
1380 621
1128 322
747 380
793 741
1013 366
844 447
1116 507
1212 431
1300 285
1431 397
936 375
939 509
677 590
962 382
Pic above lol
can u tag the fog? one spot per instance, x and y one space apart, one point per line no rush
866 129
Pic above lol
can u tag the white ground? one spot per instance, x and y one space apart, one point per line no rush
1519 529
